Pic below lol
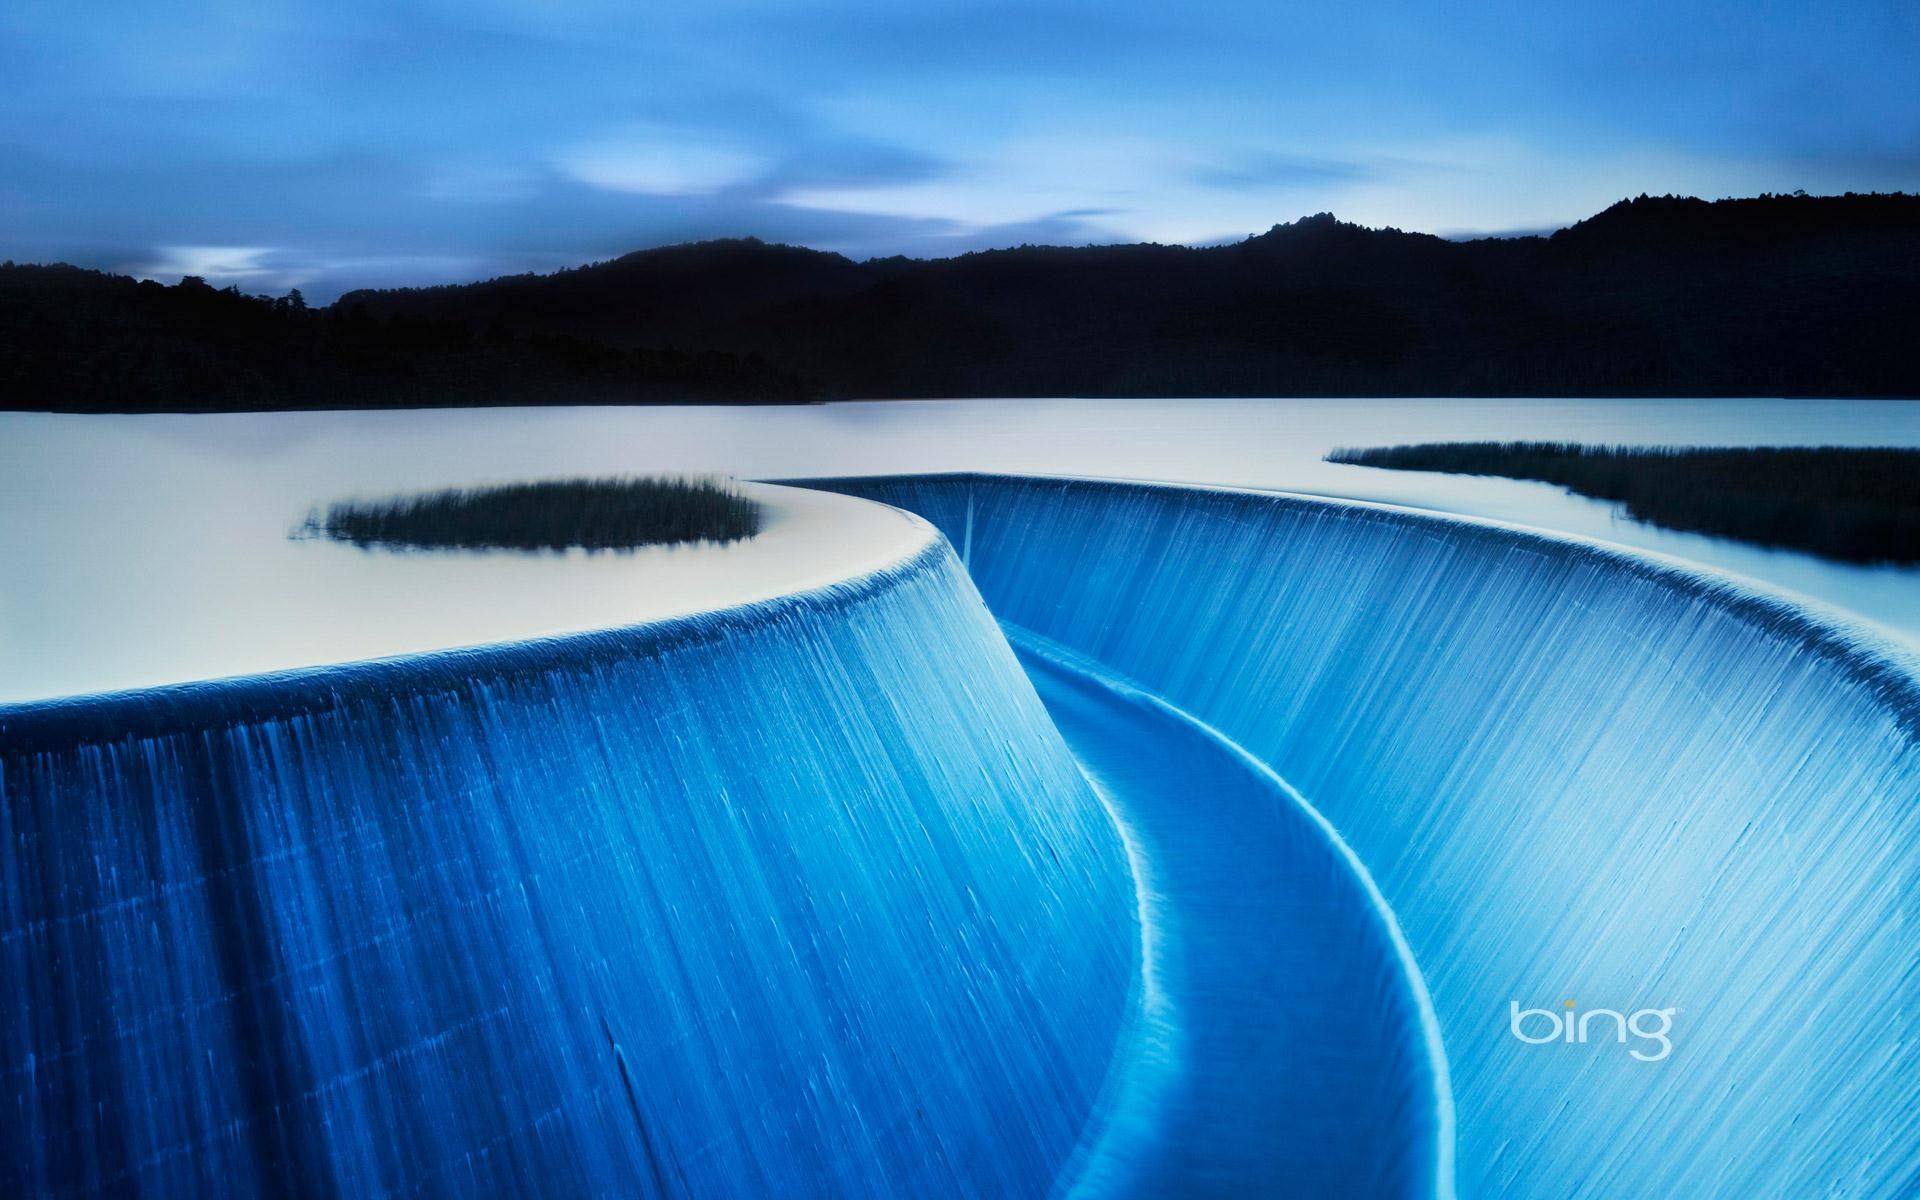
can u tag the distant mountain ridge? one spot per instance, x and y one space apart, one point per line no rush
1798 295
1791 295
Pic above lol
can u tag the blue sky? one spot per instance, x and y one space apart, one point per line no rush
330 145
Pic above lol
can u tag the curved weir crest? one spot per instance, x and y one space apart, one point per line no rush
1578 776
804 897
810 896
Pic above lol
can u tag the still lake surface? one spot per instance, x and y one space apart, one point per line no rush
155 549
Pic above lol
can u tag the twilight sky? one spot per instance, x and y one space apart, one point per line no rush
272 143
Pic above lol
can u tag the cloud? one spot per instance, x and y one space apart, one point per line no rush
1074 227
1265 171
844 163
478 183
457 138
768 157
218 265
660 163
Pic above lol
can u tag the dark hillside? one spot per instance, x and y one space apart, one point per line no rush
82 341
1656 296
1777 295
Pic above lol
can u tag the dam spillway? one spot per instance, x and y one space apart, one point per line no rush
1287 1046
803 897
1583 779
812 895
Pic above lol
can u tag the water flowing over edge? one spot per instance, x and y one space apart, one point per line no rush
805 896
1578 775
1288 1045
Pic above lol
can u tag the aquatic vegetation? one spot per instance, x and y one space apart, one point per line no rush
595 514
1856 504
813 897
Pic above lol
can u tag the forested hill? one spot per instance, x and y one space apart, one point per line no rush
83 341
1794 295
1787 295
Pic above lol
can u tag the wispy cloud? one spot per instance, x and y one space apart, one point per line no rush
844 163
694 158
660 162
456 136
479 183
218 265
1263 171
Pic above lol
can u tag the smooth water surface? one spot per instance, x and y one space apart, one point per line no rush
142 550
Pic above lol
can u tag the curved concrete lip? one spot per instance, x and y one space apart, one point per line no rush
1860 635
321 603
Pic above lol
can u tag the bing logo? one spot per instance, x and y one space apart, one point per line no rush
1539 1026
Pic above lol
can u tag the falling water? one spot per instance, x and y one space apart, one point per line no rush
802 898
1579 777
1287 1046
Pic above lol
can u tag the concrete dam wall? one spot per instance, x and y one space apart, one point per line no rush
1583 780
805 897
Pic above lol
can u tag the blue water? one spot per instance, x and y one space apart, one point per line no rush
822 897
196 508
806 898
1287 1046
1576 777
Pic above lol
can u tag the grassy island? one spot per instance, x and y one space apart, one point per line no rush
1856 505
594 514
